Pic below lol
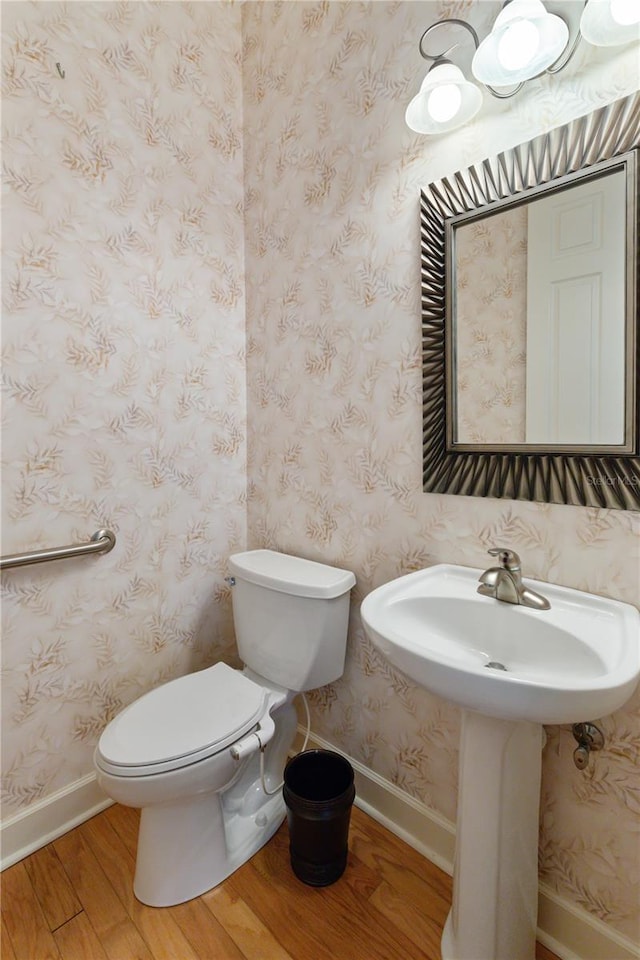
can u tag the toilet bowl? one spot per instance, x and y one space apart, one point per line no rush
176 773
203 755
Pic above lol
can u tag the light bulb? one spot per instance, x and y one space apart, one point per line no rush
518 45
625 12
444 102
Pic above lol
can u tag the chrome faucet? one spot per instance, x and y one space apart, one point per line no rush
505 582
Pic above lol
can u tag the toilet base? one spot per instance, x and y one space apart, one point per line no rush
182 848
189 845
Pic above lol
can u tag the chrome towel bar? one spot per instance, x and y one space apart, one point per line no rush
101 542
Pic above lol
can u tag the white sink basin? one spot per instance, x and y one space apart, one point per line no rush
578 661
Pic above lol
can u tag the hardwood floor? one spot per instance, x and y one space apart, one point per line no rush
73 900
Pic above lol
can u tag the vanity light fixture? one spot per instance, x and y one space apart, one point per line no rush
525 42
609 23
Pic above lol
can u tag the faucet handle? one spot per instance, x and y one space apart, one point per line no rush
509 559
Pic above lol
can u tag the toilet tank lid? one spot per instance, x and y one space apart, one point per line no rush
292 575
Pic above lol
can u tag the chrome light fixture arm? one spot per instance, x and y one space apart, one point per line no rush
444 57
441 23
504 96
566 58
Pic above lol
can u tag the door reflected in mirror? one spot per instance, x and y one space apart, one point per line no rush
539 318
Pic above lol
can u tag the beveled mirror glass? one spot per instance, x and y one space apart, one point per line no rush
529 313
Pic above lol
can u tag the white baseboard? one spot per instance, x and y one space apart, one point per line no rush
574 934
567 930
45 820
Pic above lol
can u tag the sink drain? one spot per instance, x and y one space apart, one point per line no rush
495 665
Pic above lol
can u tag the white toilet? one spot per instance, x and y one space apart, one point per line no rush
188 753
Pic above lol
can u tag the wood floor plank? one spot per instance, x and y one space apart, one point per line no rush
158 928
114 858
125 821
420 926
295 926
6 947
246 930
418 884
208 938
390 904
52 887
117 933
334 920
542 953
77 940
391 857
25 921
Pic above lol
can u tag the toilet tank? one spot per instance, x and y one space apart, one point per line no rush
291 617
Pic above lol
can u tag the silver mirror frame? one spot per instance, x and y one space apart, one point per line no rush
582 477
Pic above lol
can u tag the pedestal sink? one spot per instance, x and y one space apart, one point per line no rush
511 669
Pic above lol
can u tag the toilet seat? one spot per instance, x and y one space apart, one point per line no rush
181 722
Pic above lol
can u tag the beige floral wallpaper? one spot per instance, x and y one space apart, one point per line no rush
491 310
123 362
200 165
333 338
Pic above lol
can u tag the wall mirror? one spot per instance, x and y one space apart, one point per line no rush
530 319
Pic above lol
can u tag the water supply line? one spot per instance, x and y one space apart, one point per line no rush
272 793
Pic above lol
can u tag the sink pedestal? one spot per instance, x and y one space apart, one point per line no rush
495 878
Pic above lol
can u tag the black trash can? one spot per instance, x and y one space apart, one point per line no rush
318 792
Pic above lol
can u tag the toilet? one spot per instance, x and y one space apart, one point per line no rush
203 756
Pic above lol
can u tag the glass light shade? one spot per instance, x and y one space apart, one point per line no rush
610 23
524 41
445 102
625 12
